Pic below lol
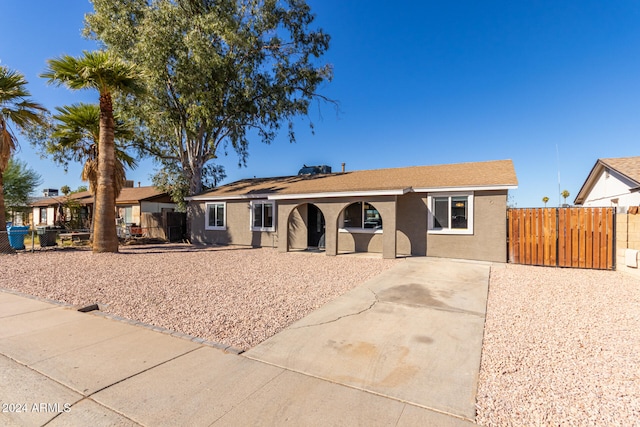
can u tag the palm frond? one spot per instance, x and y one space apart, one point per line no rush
93 70
16 108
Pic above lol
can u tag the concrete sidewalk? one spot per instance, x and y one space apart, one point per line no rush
403 349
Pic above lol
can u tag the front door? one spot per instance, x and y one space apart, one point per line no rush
315 227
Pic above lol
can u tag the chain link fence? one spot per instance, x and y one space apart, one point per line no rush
29 239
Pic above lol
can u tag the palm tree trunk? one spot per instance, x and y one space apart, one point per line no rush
105 237
5 248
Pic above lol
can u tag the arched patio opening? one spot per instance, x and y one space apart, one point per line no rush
360 228
306 226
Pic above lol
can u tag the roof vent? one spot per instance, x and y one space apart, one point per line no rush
314 170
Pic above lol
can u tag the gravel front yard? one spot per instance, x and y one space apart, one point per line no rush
561 346
233 296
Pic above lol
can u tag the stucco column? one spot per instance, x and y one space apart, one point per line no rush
331 238
389 231
284 210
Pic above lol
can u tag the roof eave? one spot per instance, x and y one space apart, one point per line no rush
467 188
333 194
228 197
589 182
358 193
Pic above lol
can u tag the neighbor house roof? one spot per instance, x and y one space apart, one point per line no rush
488 175
139 194
627 167
82 197
128 195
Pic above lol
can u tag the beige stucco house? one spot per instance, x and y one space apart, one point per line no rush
456 210
613 182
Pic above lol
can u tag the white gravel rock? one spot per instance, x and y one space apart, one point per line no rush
230 295
561 347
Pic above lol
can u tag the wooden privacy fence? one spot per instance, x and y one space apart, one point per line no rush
564 237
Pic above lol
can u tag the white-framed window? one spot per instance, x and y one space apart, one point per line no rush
450 213
43 215
125 213
263 215
215 216
361 217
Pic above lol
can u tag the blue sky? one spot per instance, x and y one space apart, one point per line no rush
551 85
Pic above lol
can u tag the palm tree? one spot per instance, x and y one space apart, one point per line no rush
108 75
76 136
16 108
545 199
565 194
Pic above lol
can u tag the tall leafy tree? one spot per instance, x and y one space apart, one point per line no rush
109 76
15 108
20 183
218 72
172 181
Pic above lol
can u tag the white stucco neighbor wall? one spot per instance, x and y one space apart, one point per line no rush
610 186
51 211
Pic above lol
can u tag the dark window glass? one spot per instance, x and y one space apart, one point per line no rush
372 218
257 215
353 215
440 212
268 215
459 212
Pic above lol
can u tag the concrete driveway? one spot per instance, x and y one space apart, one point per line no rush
414 334
403 349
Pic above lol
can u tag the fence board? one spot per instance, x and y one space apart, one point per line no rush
539 237
553 238
588 238
609 236
581 230
527 236
597 231
565 237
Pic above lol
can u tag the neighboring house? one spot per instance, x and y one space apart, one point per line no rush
130 204
54 210
456 211
612 183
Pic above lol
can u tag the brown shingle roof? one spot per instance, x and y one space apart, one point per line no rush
627 166
127 195
136 194
478 174
82 197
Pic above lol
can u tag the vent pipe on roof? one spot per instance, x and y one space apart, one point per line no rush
343 165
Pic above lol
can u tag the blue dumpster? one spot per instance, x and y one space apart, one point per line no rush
16 236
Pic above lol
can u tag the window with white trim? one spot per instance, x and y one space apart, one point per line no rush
43 215
451 213
361 216
215 216
263 215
